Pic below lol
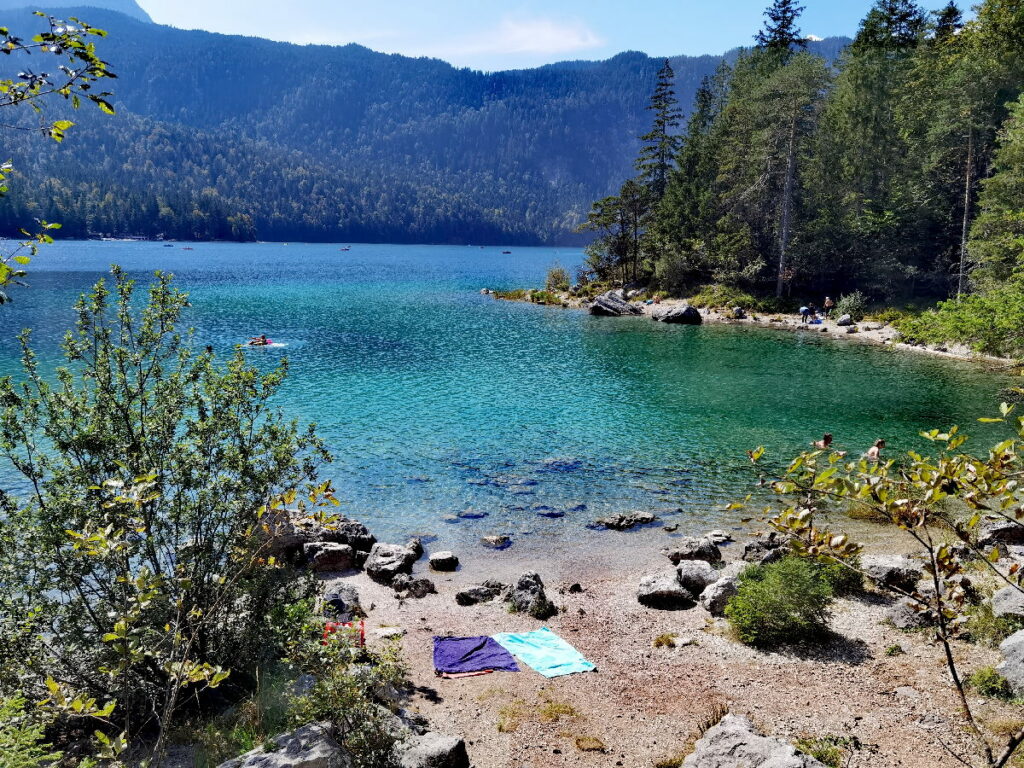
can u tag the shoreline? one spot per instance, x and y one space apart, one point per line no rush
866 331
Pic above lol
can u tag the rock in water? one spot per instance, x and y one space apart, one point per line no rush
622 522
691 548
444 561
678 316
496 542
611 304
311 746
528 596
1012 666
432 750
388 560
664 592
734 743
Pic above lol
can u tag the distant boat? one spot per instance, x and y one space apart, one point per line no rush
168 245
186 248
506 252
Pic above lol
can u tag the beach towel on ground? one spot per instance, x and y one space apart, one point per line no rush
459 655
545 652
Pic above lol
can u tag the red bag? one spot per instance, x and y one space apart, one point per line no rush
334 626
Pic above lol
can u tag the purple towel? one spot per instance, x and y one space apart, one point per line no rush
453 655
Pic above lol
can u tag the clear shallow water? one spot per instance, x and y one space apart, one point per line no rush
436 400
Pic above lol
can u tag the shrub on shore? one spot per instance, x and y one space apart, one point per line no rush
558 279
853 304
783 602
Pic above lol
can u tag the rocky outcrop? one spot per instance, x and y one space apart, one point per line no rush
443 561
388 560
624 521
289 530
1008 601
311 746
677 315
695 575
734 743
528 596
1012 666
664 592
691 548
1005 532
906 613
328 556
717 595
432 750
481 593
611 304
765 550
891 571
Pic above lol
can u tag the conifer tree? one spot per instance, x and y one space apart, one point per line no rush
661 143
948 22
780 33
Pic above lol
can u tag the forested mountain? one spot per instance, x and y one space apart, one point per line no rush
230 137
127 7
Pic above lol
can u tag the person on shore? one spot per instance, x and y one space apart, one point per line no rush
874 453
828 306
805 314
824 443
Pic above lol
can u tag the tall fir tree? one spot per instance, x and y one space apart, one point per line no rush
948 22
661 143
781 33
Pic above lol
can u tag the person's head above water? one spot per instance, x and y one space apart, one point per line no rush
827 438
879 443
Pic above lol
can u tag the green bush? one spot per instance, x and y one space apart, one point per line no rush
828 750
853 304
842 580
558 279
988 682
891 315
722 296
544 297
783 602
985 628
22 743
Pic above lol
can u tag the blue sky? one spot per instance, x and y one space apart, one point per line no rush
491 35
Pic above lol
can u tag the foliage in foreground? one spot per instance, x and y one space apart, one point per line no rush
783 602
22 740
926 498
135 564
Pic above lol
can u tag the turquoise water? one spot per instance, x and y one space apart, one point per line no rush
436 400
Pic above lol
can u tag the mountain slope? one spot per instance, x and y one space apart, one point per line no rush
58 7
372 146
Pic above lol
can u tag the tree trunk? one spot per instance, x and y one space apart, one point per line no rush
965 228
787 204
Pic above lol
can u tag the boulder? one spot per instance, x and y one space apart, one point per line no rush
328 556
311 746
528 596
717 595
1006 532
908 614
415 545
739 313
622 522
664 592
1012 665
678 315
844 321
1008 601
691 548
611 304
406 586
734 743
432 750
341 601
388 560
496 542
443 561
891 571
695 575
481 593
290 529
719 536
765 550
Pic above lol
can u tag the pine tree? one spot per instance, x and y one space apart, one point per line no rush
948 22
780 32
891 25
661 143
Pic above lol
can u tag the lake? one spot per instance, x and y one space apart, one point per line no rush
436 399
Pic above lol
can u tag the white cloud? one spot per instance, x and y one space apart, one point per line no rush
814 38
521 36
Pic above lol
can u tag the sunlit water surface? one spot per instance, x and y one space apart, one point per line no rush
435 399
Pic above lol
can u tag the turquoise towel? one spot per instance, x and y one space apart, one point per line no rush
545 652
